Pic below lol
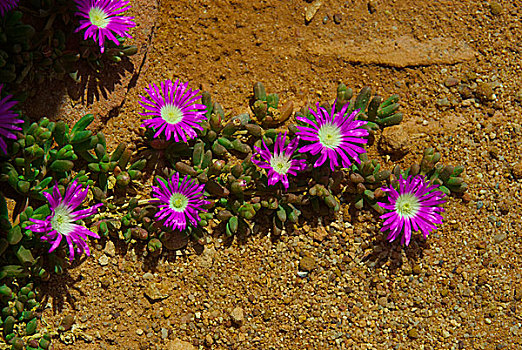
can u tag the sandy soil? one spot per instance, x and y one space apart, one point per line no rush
456 68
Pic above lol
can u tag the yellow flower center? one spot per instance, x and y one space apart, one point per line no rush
171 114
329 136
98 17
407 205
178 202
280 163
62 221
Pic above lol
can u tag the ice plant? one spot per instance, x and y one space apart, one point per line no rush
413 207
335 137
61 222
179 201
102 21
7 5
280 163
8 119
174 110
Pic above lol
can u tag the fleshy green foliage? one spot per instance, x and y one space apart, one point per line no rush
448 177
366 179
19 319
266 107
39 44
377 113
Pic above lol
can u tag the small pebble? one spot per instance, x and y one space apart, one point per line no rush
495 8
451 81
337 18
139 331
103 260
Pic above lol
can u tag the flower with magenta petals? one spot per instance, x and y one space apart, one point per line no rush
334 136
8 119
179 202
280 163
7 5
413 207
102 21
174 110
61 221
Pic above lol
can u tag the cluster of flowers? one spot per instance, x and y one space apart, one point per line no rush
336 138
101 19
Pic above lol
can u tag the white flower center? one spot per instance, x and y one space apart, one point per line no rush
330 136
62 221
98 17
407 205
178 202
280 163
171 113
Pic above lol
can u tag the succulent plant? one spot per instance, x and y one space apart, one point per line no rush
19 319
448 177
377 113
266 107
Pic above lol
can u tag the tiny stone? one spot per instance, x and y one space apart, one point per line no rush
517 171
109 249
103 260
518 292
442 102
499 237
164 333
307 264
238 316
337 18
485 92
148 276
495 8
139 331
451 81
487 320
413 334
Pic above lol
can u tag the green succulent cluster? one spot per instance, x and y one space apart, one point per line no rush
374 110
37 43
366 179
447 177
266 109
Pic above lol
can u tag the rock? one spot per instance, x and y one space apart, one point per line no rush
103 260
517 171
178 344
499 237
307 264
237 316
484 92
495 8
153 292
451 81
148 276
164 333
395 141
312 10
337 18
401 52
413 333
109 249
320 234
442 102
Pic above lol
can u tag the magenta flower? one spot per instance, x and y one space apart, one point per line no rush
414 207
333 136
180 201
174 109
279 164
102 20
8 119
7 5
61 221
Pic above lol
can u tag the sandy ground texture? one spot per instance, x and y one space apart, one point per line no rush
327 285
